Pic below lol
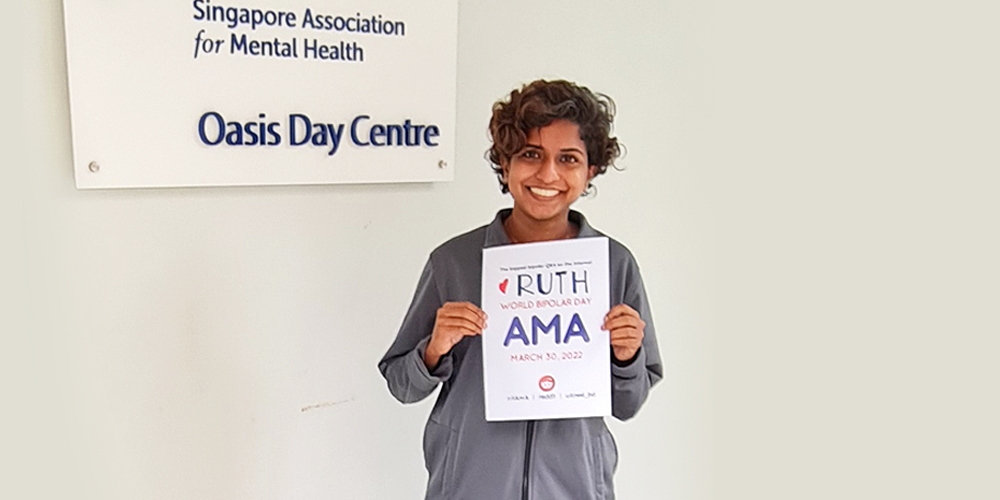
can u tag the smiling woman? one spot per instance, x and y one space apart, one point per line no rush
550 139
541 103
544 178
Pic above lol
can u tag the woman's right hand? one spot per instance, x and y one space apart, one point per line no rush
454 321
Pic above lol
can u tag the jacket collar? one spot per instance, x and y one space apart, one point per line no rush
496 236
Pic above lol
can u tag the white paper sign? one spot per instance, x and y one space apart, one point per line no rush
251 92
545 355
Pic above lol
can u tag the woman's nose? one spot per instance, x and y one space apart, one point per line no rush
548 171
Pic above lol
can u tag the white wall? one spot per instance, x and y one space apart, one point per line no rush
162 344
220 343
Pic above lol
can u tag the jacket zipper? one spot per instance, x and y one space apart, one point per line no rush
527 459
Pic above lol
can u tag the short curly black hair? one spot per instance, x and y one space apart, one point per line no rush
542 102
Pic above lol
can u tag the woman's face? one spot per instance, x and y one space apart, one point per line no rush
549 173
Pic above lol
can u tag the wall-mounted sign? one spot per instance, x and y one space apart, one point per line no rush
216 92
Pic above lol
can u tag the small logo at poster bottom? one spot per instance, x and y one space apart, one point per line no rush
547 383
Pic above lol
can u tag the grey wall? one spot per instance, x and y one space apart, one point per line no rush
220 343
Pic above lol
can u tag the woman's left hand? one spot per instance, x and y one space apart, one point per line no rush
626 329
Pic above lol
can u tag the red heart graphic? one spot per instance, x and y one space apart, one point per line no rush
503 285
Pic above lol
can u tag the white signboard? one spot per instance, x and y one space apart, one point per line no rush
545 355
224 92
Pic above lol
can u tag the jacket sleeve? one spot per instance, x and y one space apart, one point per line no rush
403 366
630 384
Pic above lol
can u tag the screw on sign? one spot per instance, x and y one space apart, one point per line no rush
547 383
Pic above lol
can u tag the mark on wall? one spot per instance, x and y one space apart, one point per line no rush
326 404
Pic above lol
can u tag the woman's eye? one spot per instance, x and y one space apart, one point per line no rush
530 154
570 159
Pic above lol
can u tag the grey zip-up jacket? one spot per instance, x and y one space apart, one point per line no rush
468 458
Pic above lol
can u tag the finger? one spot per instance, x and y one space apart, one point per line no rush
621 310
467 306
625 319
625 329
624 322
463 309
463 313
626 341
624 333
459 323
627 337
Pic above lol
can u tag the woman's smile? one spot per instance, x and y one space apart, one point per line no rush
544 193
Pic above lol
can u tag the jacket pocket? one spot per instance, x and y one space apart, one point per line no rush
606 461
438 444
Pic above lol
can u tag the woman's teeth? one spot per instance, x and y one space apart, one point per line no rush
547 193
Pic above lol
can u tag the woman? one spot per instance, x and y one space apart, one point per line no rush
550 139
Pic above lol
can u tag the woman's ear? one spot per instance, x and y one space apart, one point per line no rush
505 168
591 173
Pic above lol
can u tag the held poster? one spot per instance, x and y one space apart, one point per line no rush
261 92
545 355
